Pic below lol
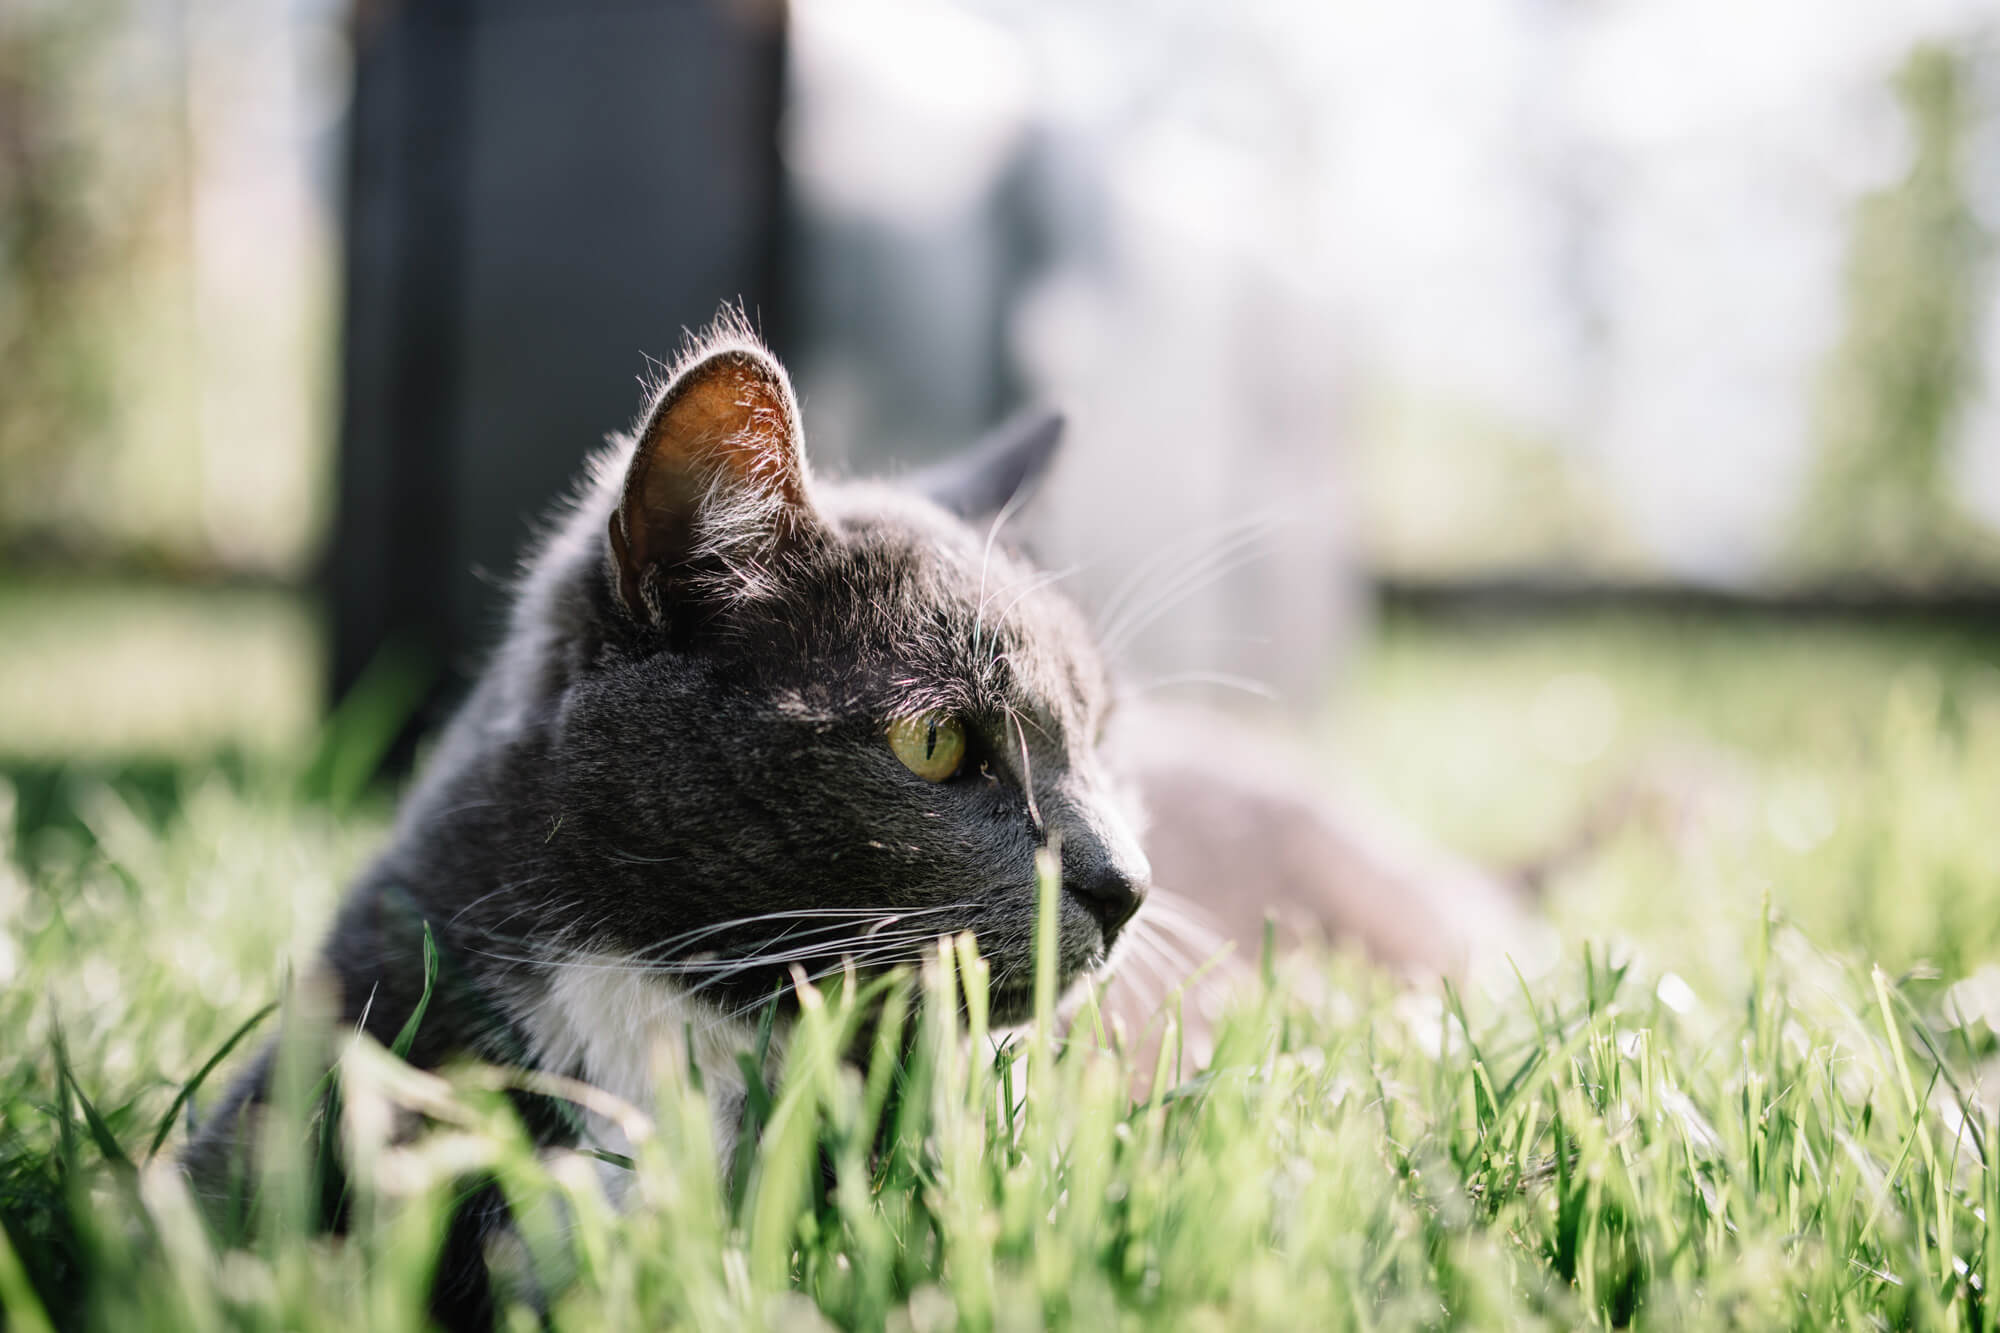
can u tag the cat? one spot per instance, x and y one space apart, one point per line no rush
743 721
746 722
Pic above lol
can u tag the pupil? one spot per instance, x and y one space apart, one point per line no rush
930 740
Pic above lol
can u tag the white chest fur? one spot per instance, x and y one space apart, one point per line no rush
626 1031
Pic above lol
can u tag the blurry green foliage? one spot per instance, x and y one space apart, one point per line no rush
55 250
1882 502
165 275
102 670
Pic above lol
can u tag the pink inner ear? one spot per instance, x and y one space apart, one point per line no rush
729 417
731 412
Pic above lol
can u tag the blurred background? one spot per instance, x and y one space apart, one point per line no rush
1362 313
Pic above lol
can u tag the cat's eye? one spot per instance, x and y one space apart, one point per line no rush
931 745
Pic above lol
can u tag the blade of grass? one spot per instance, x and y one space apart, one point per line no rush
100 1132
193 1085
18 1300
407 1036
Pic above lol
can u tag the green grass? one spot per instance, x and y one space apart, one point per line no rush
1715 1110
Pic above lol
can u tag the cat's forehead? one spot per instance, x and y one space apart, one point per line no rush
952 599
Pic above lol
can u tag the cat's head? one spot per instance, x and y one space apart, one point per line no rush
802 722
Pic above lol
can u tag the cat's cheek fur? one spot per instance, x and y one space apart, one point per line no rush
625 1031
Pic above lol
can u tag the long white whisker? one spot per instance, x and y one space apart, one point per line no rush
1197 576
1028 588
837 915
1184 962
1163 964
721 968
675 967
452 920
1201 939
1014 502
1027 773
1172 567
1144 977
1227 680
1193 927
1132 584
865 956
1169 580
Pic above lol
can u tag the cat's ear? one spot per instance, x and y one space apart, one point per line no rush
718 475
1007 463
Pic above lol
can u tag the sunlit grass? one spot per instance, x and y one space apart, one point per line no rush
1714 1111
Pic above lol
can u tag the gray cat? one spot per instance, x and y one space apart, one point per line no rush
746 722
743 721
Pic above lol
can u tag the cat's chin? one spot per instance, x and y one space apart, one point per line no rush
1010 1006
1012 1003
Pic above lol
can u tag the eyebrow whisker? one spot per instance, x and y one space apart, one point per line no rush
1027 773
1014 502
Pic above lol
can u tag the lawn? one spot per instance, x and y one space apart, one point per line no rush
1748 1094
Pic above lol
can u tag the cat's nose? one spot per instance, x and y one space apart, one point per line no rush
1103 866
1110 894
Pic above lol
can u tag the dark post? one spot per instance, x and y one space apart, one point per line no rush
541 196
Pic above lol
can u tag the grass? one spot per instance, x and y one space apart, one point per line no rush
1755 1092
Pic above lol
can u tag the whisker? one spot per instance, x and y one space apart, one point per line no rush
1172 957
1196 576
1206 970
452 920
1166 906
1136 577
681 967
1184 963
837 915
778 957
869 957
1142 956
1167 911
1014 502
1195 952
633 858
1176 560
1027 589
1201 959
1027 773
1247 684
1178 582
576 935
460 809
1147 982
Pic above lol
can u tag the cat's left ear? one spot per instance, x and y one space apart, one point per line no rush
1009 461
718 476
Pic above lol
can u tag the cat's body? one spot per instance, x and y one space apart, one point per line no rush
745 725
1245 836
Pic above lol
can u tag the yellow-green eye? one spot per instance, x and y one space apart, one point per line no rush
931 745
